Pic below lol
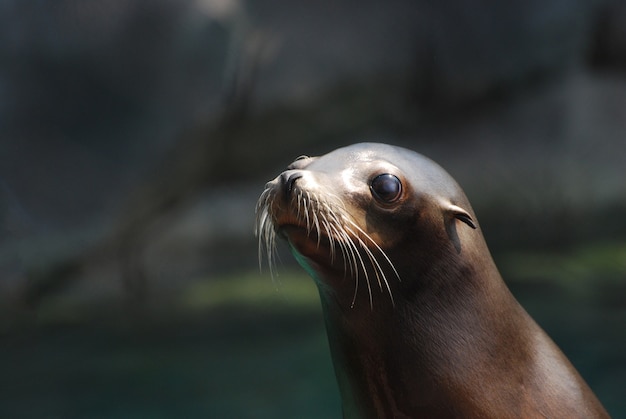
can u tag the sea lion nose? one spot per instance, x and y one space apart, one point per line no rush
288 179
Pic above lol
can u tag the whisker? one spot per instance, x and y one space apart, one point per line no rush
265 231
347 256
362 263
380 275
350 253
317 226
331 236
306 212
378 267
382 252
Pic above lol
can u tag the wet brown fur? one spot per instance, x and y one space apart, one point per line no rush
447 339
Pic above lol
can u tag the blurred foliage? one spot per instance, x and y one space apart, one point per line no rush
573 268
290 289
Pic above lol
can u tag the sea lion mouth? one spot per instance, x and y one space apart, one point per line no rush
308 229
286 231
314 244
296 230
320 227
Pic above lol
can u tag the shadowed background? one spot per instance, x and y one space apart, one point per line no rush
136 136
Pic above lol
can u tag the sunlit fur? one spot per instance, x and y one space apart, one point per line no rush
324 216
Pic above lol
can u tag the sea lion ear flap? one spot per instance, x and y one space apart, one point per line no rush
462 215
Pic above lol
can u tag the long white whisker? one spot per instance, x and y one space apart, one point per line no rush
337 237
306 201
345 246
317 225
380 275
331 236
259 232
350 252
376 262
362 263
299 201
382 252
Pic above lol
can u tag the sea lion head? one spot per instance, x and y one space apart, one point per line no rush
361 219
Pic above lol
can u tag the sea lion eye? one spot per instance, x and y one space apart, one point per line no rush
386 188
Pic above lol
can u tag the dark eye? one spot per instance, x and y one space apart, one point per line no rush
386 188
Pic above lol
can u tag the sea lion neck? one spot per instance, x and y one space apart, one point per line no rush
408 347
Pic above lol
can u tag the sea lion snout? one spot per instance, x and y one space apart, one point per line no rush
288 179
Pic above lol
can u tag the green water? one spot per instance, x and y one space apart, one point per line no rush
242 366
247 348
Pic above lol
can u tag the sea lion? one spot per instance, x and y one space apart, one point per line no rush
419 321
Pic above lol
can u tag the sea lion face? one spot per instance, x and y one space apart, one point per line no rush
358 213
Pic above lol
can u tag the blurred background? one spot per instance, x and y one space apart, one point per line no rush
136 136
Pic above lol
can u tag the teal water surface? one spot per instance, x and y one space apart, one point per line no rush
242 362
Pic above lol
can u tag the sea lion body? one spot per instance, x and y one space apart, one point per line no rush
419 321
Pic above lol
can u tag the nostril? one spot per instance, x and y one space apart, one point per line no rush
288 181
